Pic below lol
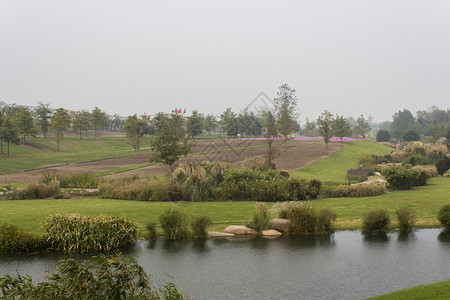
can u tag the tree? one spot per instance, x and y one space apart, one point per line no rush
195 124
210 123
81 121
436 132
362 126
228 123
60 121
383 136
341 127
134 129
310 128
9 131
285 106
410 136
42 114
325 122
401 122
24 122
167 146
270 134
99 120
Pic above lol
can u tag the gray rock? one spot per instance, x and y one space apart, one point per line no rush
240 230
282 225
217 234
271 232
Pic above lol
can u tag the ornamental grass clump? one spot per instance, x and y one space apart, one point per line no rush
72 180
260 217
326 219
199 227
376 221
15 240
301 214
358 175
174 224
101 277
77 233
37 191
444 216
406 218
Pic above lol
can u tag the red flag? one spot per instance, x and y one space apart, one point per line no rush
179 111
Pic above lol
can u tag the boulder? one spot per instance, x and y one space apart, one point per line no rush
271 232
282 225
217 234
240 230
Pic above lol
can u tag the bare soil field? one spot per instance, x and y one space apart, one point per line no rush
293 156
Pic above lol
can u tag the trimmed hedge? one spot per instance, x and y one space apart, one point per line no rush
356 190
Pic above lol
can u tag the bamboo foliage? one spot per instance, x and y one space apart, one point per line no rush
77 233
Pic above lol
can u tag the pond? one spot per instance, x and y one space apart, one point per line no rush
345 265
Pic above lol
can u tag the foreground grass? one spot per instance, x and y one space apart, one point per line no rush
334 168
439 290
426 201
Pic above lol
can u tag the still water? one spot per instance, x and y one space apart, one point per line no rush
345 265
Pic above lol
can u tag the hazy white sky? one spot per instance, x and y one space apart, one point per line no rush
351 57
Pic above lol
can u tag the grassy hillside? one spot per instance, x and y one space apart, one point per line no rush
40 152
334 168
439 290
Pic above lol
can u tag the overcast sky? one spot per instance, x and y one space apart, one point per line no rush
350 57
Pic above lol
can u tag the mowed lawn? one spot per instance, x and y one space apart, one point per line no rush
426 201
334 168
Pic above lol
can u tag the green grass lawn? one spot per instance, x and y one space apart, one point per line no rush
439 290
426 201
334 168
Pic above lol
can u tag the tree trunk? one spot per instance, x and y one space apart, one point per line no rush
8 148
1 146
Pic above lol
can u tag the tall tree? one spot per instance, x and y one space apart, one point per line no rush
42 114
210 123
271 133
325 122
195 124
134 129
228 123
341 127
59 122
99 120
9 131
310 128
24 122
401 122
285 109
167 146
362 126
81 121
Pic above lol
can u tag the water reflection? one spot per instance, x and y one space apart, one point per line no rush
200 246
376 237
405 236
444 236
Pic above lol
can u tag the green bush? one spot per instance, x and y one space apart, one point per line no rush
301 214
151 228
36 191
376 221
76 233
199 227
102 277
356 190
260 217
358 175
399 177
420 176
406 218
143 189
14 240
444 216
415 160
443 165
383 136
72 180
174 224
325 221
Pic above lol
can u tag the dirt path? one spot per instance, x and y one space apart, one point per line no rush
295 155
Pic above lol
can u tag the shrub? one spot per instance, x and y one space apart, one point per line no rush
259 164
410 135
356 190
199 227
72 180
399 177
383 136
174 224
36 191
443 165
415 160
143 189
357 175
376 221
78 233
367 159
301 214
260 217
406 218
151 228
14 240
420 176
444 216
102 277
325 221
